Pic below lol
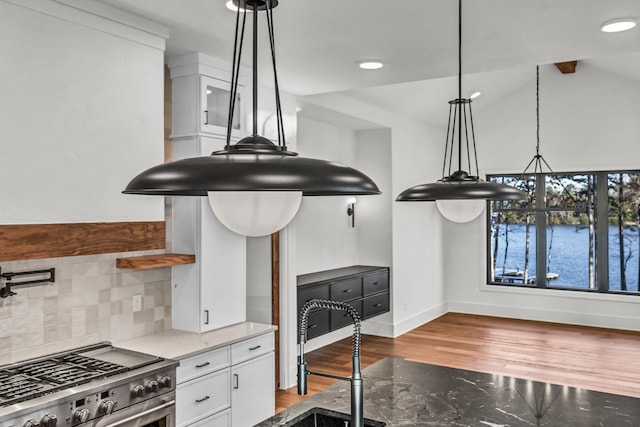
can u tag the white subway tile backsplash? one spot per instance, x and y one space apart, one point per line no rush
89 302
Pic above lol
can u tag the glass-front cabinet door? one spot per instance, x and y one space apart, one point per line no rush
215 95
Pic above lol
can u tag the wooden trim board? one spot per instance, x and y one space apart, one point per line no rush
36 241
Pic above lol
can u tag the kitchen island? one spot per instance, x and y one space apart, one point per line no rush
404 393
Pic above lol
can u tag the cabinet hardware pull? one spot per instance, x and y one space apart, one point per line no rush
376 283
313 326
206 317
206 117
203 365
255 348
237 381
378 305
203 399
347 290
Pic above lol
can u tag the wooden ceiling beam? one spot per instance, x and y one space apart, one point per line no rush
568 67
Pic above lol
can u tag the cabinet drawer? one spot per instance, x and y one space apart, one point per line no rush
251 348
202 364
374 305
318 292
222 419
340 318
374 283
318 324
202 397
345 290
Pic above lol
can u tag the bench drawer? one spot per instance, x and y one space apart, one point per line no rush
374 305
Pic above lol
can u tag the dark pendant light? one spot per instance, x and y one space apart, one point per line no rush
537 161
460 184
254 186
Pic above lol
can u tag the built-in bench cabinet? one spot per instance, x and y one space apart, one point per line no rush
366 288
233 385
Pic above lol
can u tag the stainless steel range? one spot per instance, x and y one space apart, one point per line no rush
98 385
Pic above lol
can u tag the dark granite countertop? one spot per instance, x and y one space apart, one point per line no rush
404 393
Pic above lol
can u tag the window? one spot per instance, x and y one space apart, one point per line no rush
577 231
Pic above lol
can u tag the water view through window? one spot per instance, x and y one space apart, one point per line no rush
589 238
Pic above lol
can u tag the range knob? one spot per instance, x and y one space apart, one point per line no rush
106 407
137 391
31 423
81 415
49 420
165 382
152 386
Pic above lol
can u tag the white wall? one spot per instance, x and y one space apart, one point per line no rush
589 121
325 239
416 264
81 102
373 213
82 108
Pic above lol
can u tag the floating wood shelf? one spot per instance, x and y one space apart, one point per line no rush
147 262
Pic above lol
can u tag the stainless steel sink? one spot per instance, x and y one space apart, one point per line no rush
320 417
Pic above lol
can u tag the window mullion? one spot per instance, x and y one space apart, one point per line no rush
541 231
602 232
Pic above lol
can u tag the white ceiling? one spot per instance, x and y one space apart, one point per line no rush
318 43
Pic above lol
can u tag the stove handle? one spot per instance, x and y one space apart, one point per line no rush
165 405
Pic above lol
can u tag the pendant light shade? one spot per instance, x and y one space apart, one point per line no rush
460 211
254 186
255 213
456 182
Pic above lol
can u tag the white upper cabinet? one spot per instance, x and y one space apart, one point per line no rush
211 293
201 92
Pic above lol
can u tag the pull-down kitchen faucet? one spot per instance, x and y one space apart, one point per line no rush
357 415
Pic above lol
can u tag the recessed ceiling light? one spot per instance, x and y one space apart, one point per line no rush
475 94
234 8
617 25
370 65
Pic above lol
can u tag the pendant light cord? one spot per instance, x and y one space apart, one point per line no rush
458 112
537 161
460 105
235 71
255 69
279 120
537 110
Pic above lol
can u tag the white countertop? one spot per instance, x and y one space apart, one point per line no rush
174 344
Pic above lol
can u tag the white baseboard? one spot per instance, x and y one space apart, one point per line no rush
568 317
413 322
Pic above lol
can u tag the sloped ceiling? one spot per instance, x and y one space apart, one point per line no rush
319 43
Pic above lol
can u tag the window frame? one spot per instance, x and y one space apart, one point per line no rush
601 231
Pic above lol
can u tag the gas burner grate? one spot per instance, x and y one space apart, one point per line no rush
15 386
71 369
40 377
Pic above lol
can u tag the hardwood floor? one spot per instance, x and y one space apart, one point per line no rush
593 358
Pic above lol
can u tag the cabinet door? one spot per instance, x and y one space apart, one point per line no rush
214 100
223 273
253 391
211 293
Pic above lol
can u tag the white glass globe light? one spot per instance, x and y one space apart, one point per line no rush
461 211
255 213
